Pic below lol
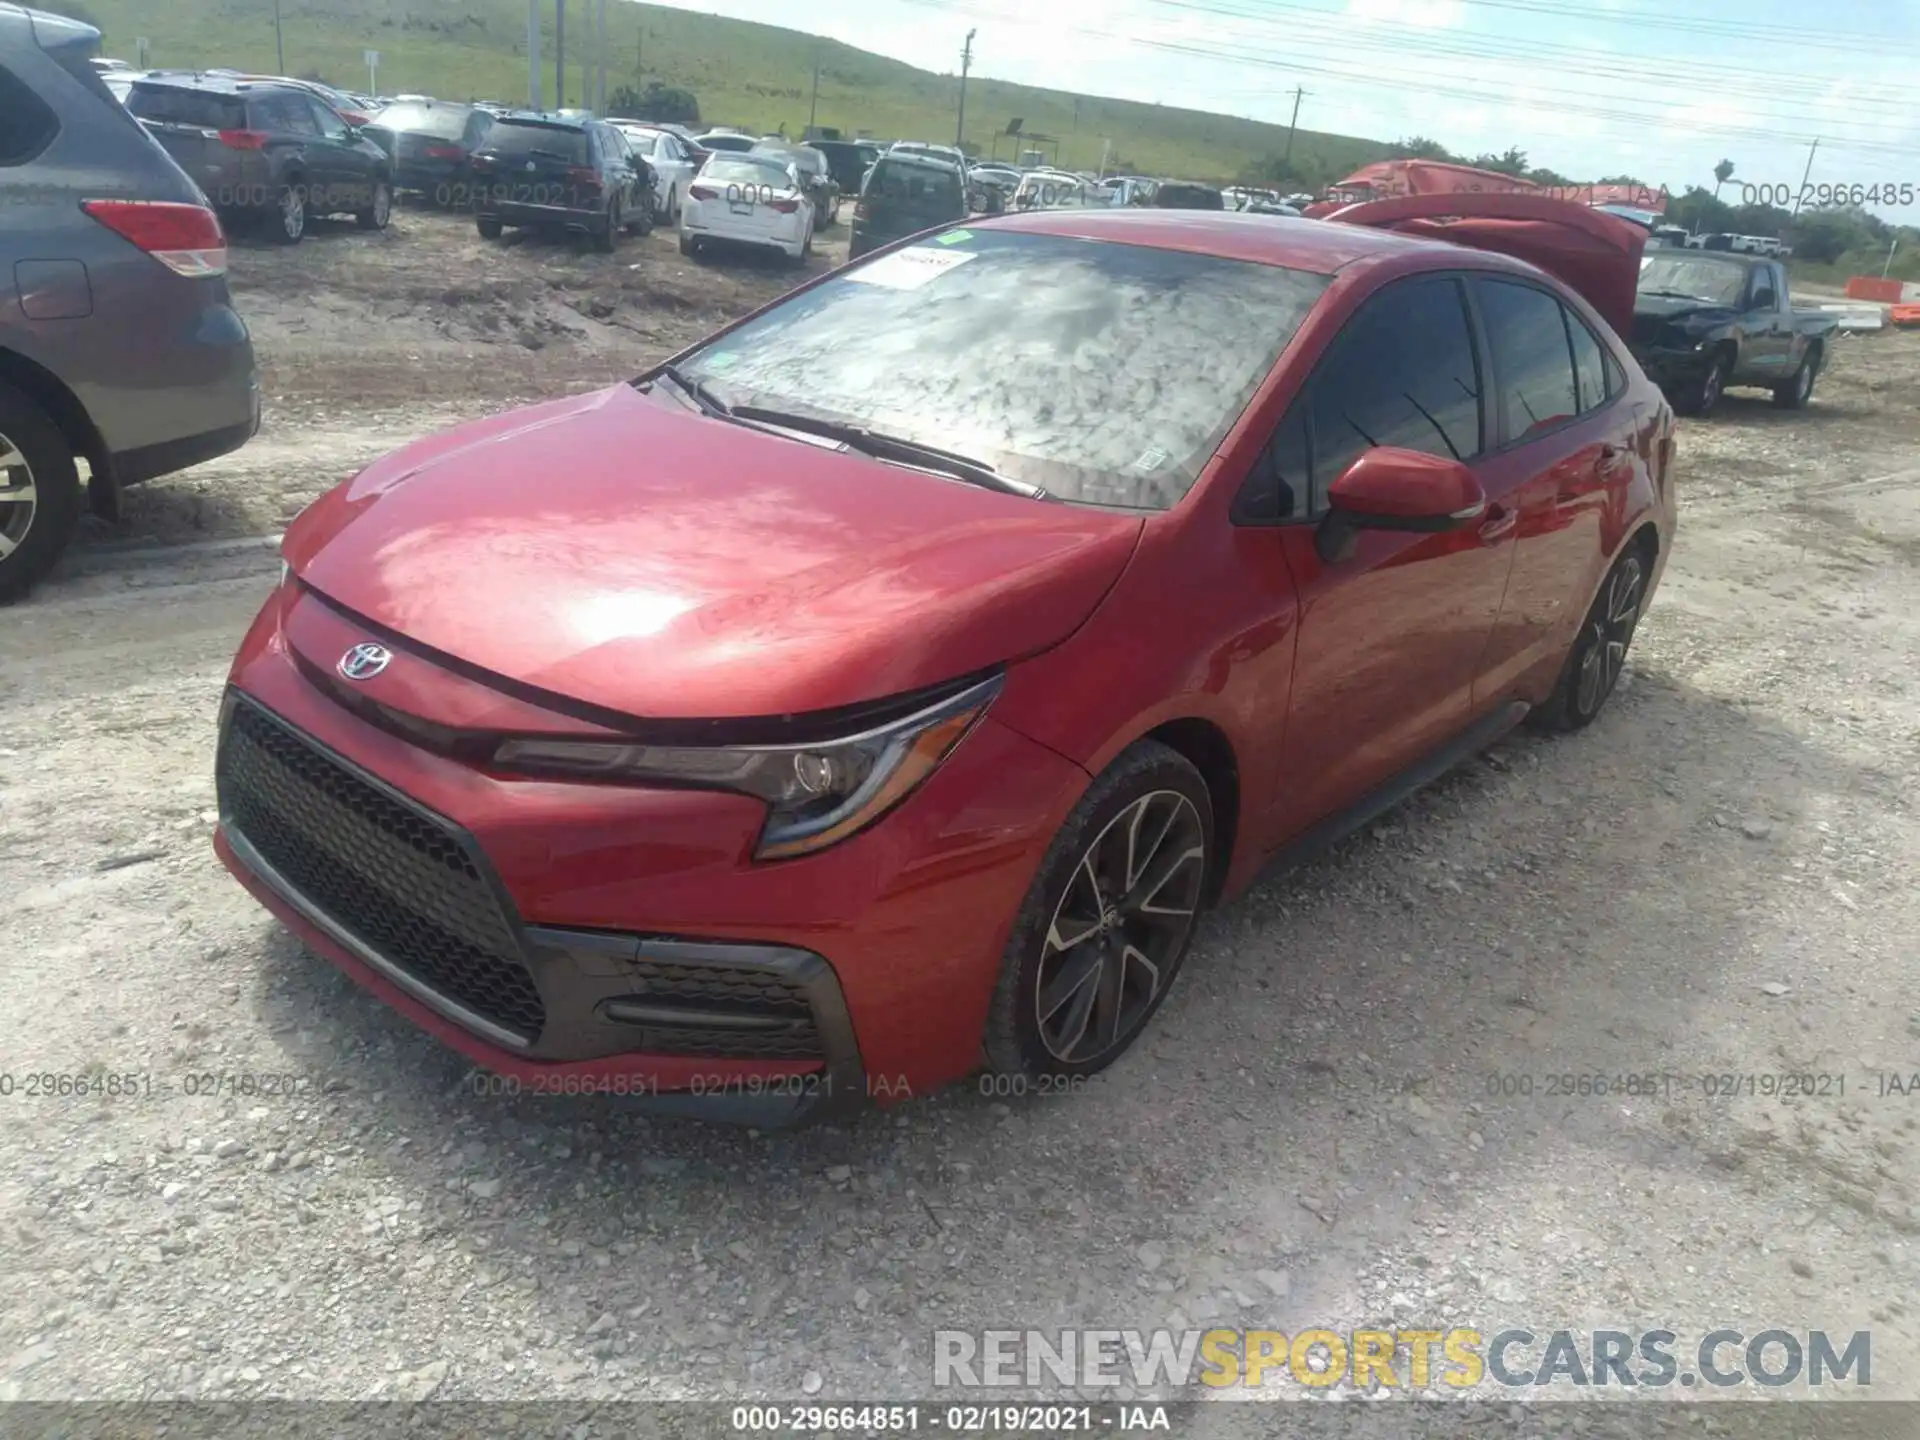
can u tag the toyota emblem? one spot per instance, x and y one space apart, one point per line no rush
364 661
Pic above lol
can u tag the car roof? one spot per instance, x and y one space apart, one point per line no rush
919 159
216 84
1311 245
550 122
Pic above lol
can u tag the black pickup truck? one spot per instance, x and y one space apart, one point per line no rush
1704 320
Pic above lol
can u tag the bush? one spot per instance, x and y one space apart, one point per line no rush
655 102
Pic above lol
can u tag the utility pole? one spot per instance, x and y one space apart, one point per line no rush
1298 94
813 106
559 54
966 64
1809 174
279 46
533 54
600 78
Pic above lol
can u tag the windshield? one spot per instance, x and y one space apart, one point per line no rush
746 170
642 141
1718 282
512 138
443 122
1106 373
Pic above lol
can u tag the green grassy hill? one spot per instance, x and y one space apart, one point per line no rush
755 76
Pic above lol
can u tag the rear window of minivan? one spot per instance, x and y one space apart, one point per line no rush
171 105
918 185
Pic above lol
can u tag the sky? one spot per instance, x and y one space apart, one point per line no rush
1658 90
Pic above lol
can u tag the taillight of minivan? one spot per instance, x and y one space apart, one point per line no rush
187 239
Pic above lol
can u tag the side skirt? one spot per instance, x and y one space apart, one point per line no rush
1383 797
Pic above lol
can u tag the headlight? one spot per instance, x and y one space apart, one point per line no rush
816 795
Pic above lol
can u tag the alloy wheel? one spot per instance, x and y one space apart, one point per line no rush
1610 631
19 499
293 213
1119 928
1803 386
382 205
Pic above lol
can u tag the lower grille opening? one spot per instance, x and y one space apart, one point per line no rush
396 879
718 1011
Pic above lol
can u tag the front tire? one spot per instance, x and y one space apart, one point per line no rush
488 227
1795 394
1599 649
379 209
39 494
1704 394
1107 921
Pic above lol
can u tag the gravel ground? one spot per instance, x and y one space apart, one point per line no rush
1716 880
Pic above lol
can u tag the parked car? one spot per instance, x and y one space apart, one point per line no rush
816 178
847 162
726 140
904 194
672 161
118 340
266 152
990 188
430 144
1007 648
1705 320
350 108
752 200
1053 190
542 172
949 153
1184 195
119 83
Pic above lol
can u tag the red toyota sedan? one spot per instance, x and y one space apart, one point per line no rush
879 690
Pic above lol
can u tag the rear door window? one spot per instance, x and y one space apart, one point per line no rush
1589 364
1532 360
169 105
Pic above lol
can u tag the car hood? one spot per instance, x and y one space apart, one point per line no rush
1657 315
619 550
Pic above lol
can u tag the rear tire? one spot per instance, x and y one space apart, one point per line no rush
607 234
379 210
1095 950
488 227
39 494
1795 394
1599 650
689 246
287 220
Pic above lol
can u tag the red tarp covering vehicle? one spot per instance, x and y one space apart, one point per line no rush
1387 179
1597 254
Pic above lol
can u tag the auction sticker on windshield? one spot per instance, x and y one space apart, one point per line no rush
909 269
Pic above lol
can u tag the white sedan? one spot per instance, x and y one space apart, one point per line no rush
747 200
673 165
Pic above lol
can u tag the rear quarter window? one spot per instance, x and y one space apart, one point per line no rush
27 123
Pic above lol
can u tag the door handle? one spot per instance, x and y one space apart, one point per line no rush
1499 521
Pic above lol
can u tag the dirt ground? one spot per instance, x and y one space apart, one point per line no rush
1717 880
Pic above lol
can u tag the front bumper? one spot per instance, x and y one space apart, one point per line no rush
1674 367
577 937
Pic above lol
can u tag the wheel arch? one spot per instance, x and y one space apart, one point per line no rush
62 406
1206 747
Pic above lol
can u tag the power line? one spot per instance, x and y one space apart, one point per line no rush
1374 77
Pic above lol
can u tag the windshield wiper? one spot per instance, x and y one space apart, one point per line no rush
894 447
709 403
1682 295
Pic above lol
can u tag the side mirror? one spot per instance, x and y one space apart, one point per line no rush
1393 489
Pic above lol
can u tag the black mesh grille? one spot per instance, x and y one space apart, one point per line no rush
396 880
751 994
